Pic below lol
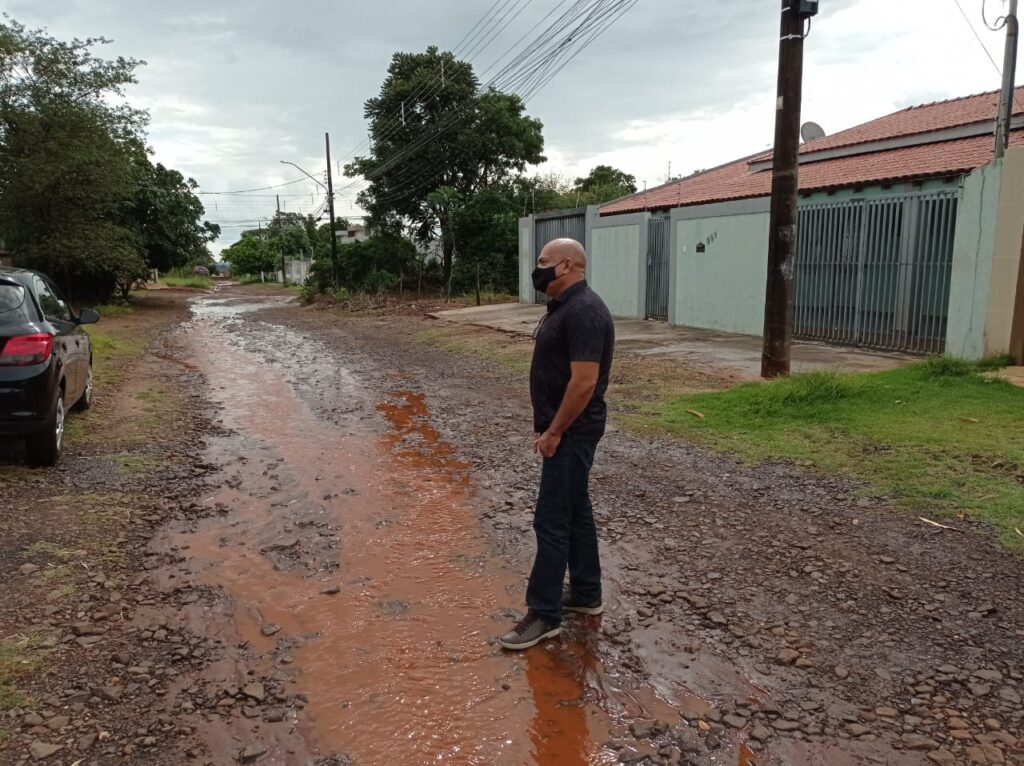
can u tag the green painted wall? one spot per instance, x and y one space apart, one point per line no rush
526 260
614 268
972 262
723 287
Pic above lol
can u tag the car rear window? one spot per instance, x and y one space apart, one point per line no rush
11 296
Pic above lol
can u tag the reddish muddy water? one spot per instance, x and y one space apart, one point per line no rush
399 665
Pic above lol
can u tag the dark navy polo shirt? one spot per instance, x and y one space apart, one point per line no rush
577 328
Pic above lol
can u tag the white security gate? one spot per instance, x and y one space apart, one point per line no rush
876 272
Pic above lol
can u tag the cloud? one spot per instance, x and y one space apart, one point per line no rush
236 87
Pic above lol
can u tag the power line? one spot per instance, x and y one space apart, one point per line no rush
262 188
984 47
531 70
978 37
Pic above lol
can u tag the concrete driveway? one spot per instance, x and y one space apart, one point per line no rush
735 354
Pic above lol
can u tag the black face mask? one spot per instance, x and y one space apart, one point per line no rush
543 277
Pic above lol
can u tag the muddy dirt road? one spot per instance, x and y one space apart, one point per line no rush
358 531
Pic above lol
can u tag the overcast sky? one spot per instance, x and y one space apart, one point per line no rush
233 87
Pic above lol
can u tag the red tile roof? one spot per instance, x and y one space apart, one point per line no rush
737 181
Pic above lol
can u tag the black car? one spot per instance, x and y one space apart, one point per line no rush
45 363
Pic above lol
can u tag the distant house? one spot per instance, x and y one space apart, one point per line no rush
909 238
356 233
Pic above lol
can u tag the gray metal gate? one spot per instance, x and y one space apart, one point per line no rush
556 225
657 268
876 272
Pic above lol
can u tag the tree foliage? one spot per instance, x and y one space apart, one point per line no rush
79 198
605 183
427 137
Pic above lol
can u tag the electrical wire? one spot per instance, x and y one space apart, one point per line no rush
984 17
978 37
524 75
538 59
542 64
984 47
262 188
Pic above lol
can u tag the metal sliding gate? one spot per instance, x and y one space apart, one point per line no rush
657 269
552 226
876 272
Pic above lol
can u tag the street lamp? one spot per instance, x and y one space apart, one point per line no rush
310 177
329 188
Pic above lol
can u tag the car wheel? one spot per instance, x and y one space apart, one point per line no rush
44 446
85 402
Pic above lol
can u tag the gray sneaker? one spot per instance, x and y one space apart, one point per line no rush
529 631
571 605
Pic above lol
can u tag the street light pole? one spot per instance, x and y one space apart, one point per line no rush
329 188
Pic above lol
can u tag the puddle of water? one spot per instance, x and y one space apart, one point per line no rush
399 667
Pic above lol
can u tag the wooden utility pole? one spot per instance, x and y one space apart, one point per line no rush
330 211
1009 77
778 308
284 273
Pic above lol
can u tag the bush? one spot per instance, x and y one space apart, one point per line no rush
946 367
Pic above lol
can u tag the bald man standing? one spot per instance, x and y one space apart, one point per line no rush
572 358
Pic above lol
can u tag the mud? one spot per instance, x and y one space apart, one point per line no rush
347 542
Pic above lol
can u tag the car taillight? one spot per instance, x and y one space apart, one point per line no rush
27 349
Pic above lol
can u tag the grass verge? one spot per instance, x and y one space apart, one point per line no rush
509 353
939 436
196 281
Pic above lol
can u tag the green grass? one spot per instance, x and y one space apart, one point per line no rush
469 344
938 437
113 310
183 278
17 659
136 463
43 548
109 350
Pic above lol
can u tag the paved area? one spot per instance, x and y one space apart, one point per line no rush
701 348
1014 375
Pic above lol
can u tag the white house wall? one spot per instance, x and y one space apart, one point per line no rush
972 262
1006 254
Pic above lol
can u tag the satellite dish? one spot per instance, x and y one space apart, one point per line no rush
811 131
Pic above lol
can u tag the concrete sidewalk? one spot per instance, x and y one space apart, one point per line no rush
734 354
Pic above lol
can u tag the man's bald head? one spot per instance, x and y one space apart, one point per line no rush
559 250
565 262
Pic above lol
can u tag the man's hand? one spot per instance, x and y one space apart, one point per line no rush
546 443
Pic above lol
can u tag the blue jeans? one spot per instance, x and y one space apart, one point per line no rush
566 535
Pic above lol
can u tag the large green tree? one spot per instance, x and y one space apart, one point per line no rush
168 215
79 197
251 254
605 183
434 131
